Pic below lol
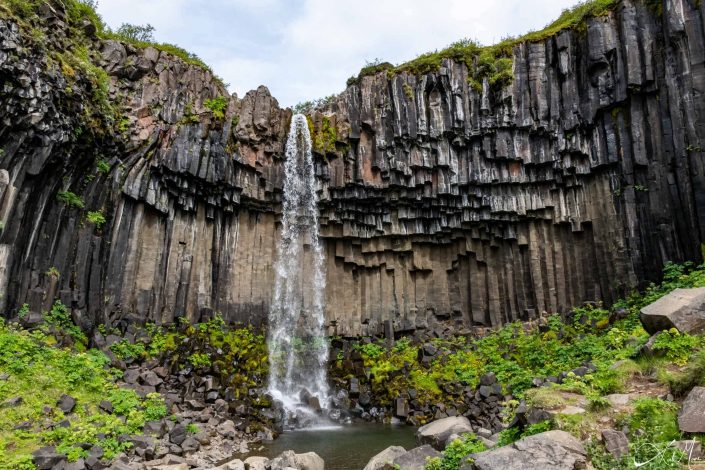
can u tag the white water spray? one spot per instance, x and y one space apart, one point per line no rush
298 348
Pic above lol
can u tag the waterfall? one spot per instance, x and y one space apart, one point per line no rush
298 347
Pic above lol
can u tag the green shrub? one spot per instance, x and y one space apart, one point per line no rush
125 350
457 451
199 360
370 350
96 218
218 106
70 199
103 166
655 419
677 347
192 428
60 317
692 375
136 33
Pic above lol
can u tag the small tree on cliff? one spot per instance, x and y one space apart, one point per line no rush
136 32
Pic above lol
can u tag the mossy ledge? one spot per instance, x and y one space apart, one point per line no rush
491 62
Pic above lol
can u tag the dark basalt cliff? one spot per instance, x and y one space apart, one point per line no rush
574 182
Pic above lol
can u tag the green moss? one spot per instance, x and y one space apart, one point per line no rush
324 137
491 62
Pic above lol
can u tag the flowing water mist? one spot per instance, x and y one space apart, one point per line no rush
298 348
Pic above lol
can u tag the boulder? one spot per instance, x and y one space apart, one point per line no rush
551 450
437 432
190 444
692 415
285 460
232 465
616 443
683 309
309 461
387 456
415 459
692 449
79 464
256 463
47 458
12 402
178 434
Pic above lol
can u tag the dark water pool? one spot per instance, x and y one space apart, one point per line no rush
343 448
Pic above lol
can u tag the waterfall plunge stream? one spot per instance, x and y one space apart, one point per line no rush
298 348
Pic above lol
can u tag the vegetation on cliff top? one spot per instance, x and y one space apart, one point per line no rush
492 62
78 11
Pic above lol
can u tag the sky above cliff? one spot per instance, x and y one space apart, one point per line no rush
306 49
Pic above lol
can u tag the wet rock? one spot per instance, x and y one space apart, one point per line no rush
401 408
155 428
106 406
131 376
79 464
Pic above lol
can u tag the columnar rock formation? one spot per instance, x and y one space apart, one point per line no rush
574 182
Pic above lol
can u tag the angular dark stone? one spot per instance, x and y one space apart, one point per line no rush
616 443
66 403
47 458
178 434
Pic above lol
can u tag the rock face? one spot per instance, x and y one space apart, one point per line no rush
574 182
692 415
552 450
683 309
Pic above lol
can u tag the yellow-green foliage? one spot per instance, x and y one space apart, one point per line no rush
40 373
96 218
218 106
242 359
